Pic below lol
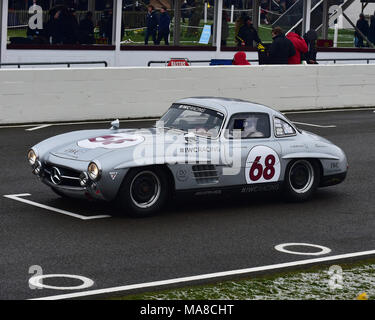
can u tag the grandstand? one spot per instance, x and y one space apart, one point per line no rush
118 28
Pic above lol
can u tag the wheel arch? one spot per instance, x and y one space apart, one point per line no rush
163 167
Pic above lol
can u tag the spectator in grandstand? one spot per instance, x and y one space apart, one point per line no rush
310 38
70 27
263 12
285 4
53 28
239 59
371 31
247 34
281 48
362 25
239 23
186 11
163 28
299 45
224 29
105 25
86 28
151 24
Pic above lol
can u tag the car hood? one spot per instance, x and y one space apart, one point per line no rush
96 144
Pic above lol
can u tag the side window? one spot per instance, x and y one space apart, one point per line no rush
283 128
248 126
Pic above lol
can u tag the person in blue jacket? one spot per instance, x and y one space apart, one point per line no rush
151 24
163 28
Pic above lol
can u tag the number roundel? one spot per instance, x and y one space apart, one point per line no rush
111 141
262 165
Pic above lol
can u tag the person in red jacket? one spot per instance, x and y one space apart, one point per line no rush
300 46
240 59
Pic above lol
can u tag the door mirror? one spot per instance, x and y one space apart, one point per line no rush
115 124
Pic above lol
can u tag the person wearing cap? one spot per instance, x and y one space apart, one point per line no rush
247 34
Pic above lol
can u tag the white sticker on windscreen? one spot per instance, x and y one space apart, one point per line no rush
111 141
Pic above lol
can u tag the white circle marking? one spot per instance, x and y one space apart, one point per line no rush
36 281
324 250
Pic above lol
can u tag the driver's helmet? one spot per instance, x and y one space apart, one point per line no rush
250 123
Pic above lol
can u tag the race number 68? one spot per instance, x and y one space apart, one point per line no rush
262 165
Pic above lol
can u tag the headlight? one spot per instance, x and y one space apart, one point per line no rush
94 171
32 157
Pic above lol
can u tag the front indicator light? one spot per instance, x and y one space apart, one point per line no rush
37 168
83 179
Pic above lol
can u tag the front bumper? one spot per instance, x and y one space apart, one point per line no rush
68 182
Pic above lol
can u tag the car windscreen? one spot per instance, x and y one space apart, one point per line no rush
199 120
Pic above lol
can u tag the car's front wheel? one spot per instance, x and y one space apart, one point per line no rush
302 178
144 191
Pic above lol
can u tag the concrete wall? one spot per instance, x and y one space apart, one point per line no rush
40 95
141 58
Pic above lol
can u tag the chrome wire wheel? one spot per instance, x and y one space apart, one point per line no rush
145 189
301 176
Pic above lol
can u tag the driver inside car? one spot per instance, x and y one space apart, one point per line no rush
250 128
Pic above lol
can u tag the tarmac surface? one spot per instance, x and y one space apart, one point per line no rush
193 236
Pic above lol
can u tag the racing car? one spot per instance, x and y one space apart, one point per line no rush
201 145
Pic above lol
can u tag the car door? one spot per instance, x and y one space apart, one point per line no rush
252 155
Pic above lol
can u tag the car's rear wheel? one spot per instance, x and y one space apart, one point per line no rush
302 178
144 191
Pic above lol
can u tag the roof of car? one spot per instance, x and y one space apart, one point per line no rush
226 105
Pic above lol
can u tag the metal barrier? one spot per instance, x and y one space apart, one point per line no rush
192 61
348 59
256 60
68 63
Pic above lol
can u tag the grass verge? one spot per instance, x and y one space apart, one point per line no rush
356 281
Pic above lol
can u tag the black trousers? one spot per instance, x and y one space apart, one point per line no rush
151 33
163 35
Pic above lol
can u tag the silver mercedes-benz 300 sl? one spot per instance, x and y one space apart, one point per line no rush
201 145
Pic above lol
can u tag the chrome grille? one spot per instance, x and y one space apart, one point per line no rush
62 176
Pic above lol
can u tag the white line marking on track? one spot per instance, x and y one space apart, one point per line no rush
314 125
328 110
18 197
205 276
80 122
323 250
37 281
39 127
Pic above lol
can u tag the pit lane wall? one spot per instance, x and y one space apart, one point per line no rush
48 95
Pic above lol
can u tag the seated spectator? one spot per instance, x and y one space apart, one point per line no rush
299 45
240 59
281 48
